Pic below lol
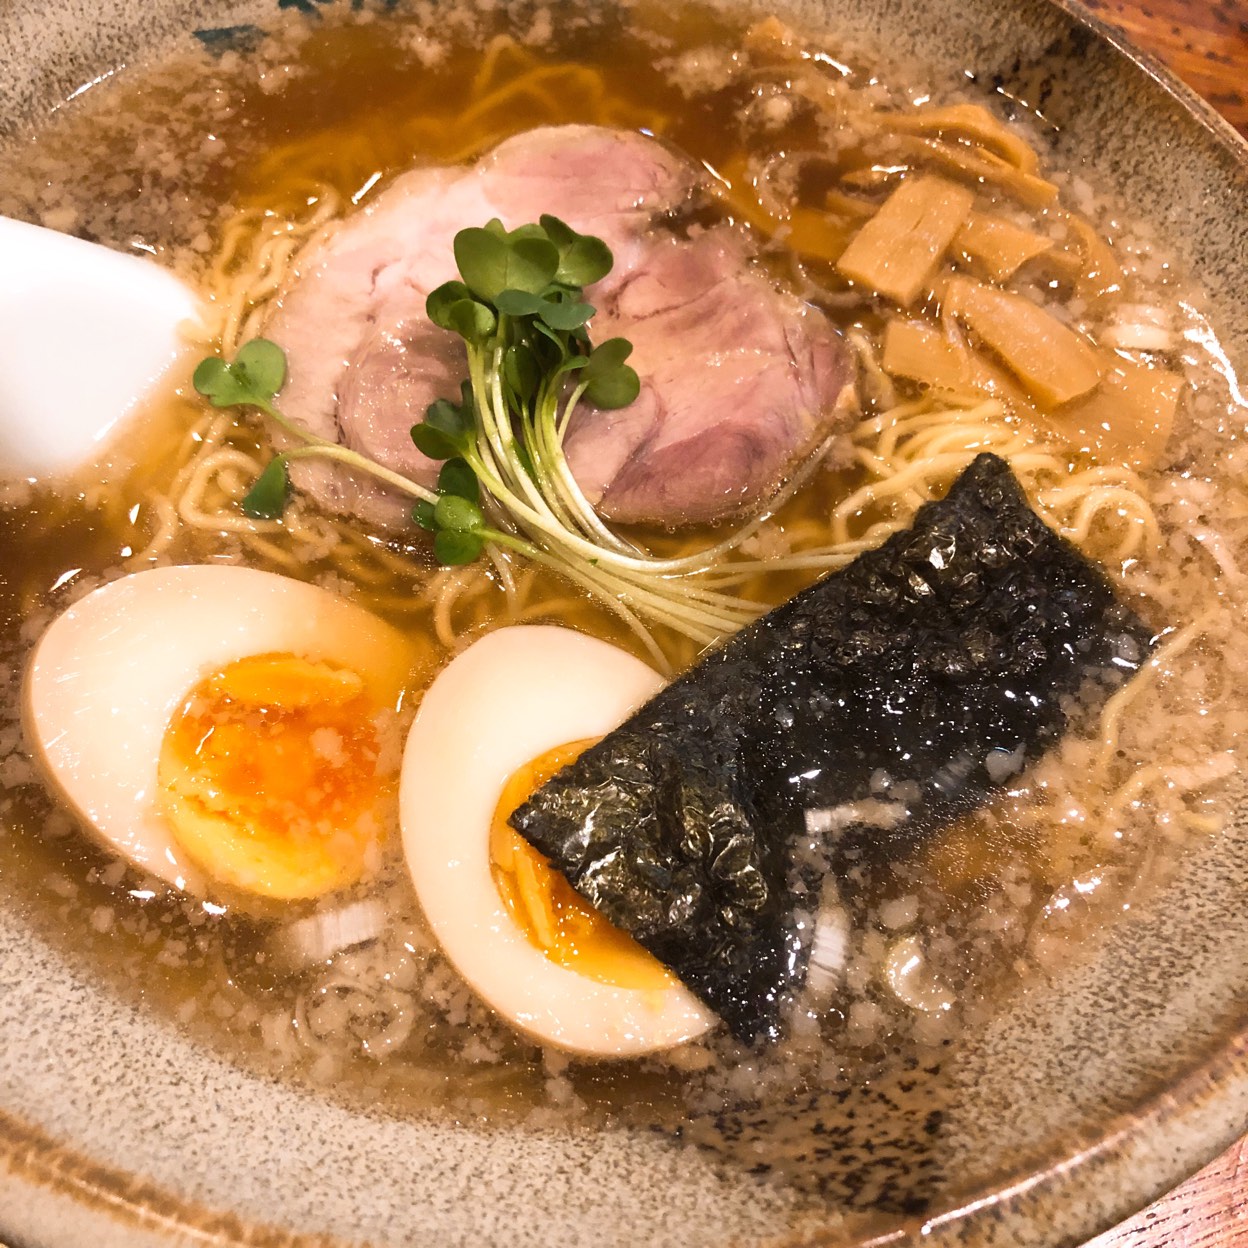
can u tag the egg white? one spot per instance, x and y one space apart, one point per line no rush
507 699
110 672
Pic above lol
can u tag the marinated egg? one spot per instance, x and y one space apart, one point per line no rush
496 723
219 726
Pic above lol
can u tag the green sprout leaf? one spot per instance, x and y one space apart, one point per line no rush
433 443
607 356
452 306
457 515
455 519
519 303
422 514
610 382
490 264
266 500
586 261
565 316
214 380
446 417
559 232
442 299
521 372
615 389
458 480
474 322
583 259
553 336
455 548
533 264
482 259
257 374
447 429
263 364
526 231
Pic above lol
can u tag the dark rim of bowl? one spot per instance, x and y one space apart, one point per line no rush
1068 1180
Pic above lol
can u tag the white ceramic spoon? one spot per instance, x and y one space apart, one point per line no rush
85 334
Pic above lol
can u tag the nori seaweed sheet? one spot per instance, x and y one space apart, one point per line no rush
875 706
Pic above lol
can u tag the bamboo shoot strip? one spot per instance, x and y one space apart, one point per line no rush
898 250
973 123
998 246
1128 418
859 717
919 351
1052 361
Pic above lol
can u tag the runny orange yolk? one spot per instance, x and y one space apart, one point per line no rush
555 918
275 776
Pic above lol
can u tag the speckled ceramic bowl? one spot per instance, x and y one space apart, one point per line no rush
1088 1097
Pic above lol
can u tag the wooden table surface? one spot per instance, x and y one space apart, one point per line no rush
1205 42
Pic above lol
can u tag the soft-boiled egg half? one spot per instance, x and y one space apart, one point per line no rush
220 726
500 719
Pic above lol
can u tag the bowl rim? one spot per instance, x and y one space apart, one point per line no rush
1217 127
33 1158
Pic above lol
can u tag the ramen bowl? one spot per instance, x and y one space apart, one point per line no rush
1100 1086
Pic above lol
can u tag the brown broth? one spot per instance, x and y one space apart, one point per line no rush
350 104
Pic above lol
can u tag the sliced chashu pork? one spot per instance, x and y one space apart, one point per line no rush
739 379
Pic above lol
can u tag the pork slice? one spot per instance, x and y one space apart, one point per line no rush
612 183
364 363
398 370
739 380
363 360
341 281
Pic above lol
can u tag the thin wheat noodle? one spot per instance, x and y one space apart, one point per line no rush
1166 653
162 535
1140 782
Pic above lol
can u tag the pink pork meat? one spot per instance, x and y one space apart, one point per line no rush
739 379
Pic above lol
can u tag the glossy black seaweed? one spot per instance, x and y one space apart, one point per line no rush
872 708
